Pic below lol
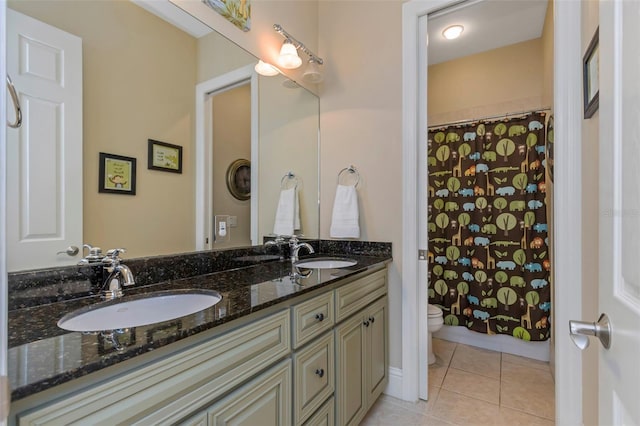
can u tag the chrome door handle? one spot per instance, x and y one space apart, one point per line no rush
581 330
16 105
71 251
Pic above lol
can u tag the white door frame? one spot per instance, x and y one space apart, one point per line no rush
204 169
568 244
4 381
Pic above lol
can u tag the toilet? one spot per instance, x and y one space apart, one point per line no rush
434 323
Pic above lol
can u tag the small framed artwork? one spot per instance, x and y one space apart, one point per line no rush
117 174
590 77
239 179
164 156
238 12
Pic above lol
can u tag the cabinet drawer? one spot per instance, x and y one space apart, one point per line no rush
358 294
312 318
173 388
314 377
325 416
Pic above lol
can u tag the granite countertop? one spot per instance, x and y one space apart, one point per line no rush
42 355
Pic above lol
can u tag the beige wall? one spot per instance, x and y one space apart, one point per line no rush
217 55
590 203
288 129
231 141
361 124
499 81
121 112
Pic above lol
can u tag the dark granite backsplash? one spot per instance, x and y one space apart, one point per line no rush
44 286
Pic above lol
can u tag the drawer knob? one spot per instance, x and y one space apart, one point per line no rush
366 323
320 317
320 372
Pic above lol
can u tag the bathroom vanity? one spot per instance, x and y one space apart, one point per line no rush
272 352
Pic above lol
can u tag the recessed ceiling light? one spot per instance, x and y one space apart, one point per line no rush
453 32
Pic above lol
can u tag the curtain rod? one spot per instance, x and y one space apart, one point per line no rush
493 117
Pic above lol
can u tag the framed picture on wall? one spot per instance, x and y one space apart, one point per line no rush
164 156
117 174
239 179
591 78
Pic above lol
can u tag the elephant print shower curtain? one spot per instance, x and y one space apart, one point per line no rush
488 255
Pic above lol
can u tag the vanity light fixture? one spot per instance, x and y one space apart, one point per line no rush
289 52
266 69
453 32
312 74
289 58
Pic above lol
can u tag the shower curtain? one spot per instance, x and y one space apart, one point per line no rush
488 256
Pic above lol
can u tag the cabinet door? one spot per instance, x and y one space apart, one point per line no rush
314 377
350 393
376 355
264 401
325 416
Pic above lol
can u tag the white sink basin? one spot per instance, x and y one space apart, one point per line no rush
326 263
156 307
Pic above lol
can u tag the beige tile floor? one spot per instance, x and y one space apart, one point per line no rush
472 386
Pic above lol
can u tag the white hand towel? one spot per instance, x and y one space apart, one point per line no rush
345 218
296 211
285 213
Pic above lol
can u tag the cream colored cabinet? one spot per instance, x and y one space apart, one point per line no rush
173 388
325 416
361 362
314 377
249 375
312 318
264 401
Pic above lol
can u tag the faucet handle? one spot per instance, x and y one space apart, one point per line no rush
94 256
115 253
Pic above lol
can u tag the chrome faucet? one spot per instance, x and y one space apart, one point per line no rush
117 274
295 245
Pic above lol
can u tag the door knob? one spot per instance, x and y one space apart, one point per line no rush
581 330
71 251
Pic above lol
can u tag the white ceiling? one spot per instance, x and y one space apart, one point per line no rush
488 24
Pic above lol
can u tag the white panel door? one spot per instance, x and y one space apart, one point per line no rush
44 156
619 367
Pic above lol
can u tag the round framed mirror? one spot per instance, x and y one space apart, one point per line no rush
239 179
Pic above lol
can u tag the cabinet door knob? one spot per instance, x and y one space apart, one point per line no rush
320 372
320 317
372 320
366 323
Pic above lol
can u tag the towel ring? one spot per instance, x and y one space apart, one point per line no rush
289 177
351 170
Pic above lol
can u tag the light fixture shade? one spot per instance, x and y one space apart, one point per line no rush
289 58
266 69
453 32
312 74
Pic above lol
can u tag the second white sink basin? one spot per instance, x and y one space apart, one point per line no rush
156 307
326 263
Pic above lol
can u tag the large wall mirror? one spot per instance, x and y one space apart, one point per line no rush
139 79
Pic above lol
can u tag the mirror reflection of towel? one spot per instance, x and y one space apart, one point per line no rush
288 213
345 218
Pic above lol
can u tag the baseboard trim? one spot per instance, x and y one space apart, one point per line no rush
498 342
394 386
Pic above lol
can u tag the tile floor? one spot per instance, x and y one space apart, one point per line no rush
473 386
